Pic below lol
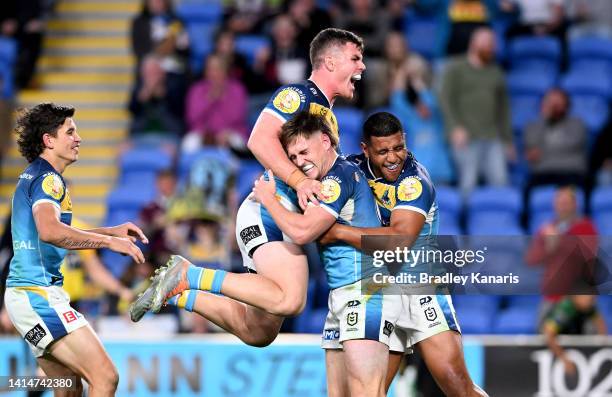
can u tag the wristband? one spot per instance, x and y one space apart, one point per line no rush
295 178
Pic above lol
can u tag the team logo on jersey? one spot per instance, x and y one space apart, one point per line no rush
288 100
430 313
330 190
351 318
385 194
53 186
409 189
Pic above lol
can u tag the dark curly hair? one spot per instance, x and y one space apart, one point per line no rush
32 124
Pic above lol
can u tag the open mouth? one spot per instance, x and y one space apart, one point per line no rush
392 167
355 78
307 168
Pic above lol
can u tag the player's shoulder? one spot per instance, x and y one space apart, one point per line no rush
289 99
46 177
345 172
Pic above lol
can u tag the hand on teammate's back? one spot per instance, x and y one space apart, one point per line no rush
263 190
125 246
307 191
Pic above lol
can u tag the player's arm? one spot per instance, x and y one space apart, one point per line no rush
549 329
51 230
301 228
265 144
404 223
98 273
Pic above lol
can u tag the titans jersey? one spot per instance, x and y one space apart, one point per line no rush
413 190
350 201
291 99
35 262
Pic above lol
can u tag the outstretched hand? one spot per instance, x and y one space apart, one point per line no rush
130 231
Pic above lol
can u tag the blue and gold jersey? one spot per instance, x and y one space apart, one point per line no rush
413 190
291 99
35 262
350 201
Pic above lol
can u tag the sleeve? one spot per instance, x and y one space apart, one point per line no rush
414 193
338 189
286 102
47 188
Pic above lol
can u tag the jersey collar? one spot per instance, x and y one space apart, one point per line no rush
321 92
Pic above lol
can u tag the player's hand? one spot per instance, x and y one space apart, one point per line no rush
307 190
130 231
569 366
264 190
124 245
331 235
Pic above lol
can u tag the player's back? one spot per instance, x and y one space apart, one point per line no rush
350 200
35 262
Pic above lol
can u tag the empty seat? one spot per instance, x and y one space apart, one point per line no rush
593 110
350 121
530 82
517 320
494 210
449 209
531 53
251 45
592 83
145 159
590 49
524 109
601 208
130 198
200 43
211 12
421 33
248 172
474 320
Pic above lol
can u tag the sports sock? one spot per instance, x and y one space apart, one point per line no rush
205 279
185 300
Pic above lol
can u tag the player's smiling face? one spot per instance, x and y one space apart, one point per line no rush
66 144
349 67
309 154
387 155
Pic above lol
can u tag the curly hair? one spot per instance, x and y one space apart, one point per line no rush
32 124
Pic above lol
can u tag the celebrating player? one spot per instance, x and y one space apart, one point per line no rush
406 199
59 336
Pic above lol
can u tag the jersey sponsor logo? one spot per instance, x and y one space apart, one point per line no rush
430 313
410 189
288 100
425 300
25 175
330 190
53 186
352 318
318 109
35 335
388 328
23 245
354 303
331 334
385 194
69 316
249 233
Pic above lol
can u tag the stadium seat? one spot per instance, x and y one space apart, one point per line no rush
517 320
130 198
250 45
248 172
593 110
494 211
449 209
186 160
474 320
421 33
541 205
530 82
592 83
200 44
8 54
145 159
596 51
525 108
311 321
525 301
350 121
485 303
535 53
210 12
601 208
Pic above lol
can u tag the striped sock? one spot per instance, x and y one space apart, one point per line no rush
185 300
211 280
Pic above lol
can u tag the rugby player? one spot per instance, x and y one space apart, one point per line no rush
406 200
61 339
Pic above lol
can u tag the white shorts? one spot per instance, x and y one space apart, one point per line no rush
42 315
397 320
255 227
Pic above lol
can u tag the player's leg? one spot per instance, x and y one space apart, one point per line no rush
395 359
83 353
53 368
443 355
337 379
366 367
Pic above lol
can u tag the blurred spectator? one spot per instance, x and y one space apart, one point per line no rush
158 30
537 17
571 316
591 18
154 219
369 21
464 17
566 248
309 20
237 64
285 62
156 105
381 72
24 21
556 144
248 16
600 168
216 109
415 103
477 116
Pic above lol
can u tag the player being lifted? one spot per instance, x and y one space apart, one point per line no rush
61 339
406 200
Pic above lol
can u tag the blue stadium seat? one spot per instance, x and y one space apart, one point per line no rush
474 320
485 303
311 321
592 83
591 49
200 43
350 121
421 33
525 108
449 208
593 110
130 198
535 53
541 205
116 263
517 320
248 172
210 12
525 301
8 55
494 211
601 208
250 45
145 159
530 82
186 160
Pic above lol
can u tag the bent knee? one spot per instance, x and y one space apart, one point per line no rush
291 307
